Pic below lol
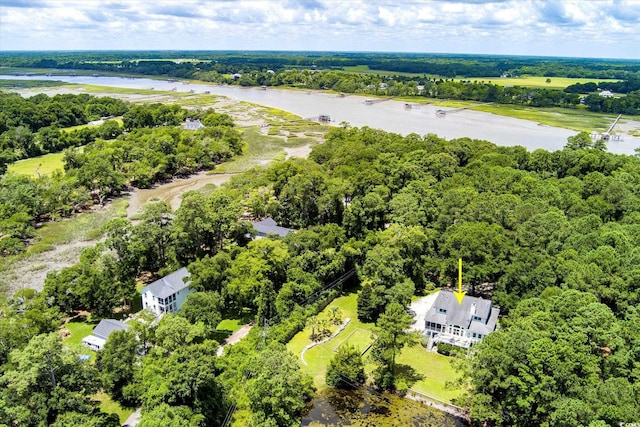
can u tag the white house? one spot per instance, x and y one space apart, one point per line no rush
461 325
167 295
193 124
101 332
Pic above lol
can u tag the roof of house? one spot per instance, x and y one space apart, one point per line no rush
192 125
462 314
269 226
107 326
169 284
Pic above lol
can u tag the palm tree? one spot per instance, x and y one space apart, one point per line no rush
335 315
312 322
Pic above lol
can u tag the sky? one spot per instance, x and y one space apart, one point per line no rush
585 28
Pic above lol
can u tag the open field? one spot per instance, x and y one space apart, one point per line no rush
41 165
433 369
537 81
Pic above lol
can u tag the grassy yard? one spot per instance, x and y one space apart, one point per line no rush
434 370
41 165
78 329
110 406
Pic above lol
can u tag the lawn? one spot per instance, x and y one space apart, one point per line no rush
110 406
360 339
78 329
434 370
41 165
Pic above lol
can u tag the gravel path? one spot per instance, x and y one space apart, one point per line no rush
234 338
420 308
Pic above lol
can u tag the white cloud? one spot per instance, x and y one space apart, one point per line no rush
537 27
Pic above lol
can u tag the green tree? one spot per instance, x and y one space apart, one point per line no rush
277 390
43 381
118 365
346 369
367 311
203 307
391 335
186 376
171 416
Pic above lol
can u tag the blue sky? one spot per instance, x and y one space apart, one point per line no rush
584 28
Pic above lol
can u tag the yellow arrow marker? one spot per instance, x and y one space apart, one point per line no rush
459 293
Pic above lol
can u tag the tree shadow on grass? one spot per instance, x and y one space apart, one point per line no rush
407 374
236 318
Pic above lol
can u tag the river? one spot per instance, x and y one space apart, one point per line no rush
388 115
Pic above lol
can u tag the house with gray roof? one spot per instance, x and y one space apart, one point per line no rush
166 295
101 332
269 226
463 324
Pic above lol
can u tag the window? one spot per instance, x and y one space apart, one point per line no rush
442 310
477 318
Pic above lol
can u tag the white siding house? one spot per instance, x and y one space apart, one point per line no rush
461 325
167 295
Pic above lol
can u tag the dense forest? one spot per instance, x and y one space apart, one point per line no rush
551 236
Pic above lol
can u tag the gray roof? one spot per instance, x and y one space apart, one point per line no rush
269 226
462 314
169 284
107 326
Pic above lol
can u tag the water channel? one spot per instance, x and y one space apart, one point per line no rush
389 115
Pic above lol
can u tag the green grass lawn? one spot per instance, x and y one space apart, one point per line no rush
42 165
110 406
358 338
78 330
434 370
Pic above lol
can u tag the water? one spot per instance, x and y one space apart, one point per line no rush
391 116
335 407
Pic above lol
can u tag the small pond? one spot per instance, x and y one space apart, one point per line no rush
359 408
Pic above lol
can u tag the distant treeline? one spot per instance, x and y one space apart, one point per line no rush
173 63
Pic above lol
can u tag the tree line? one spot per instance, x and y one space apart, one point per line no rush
171 63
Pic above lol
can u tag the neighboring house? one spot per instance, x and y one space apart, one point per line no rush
192 125
101 332
269 226
606 94
167 295
461 325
